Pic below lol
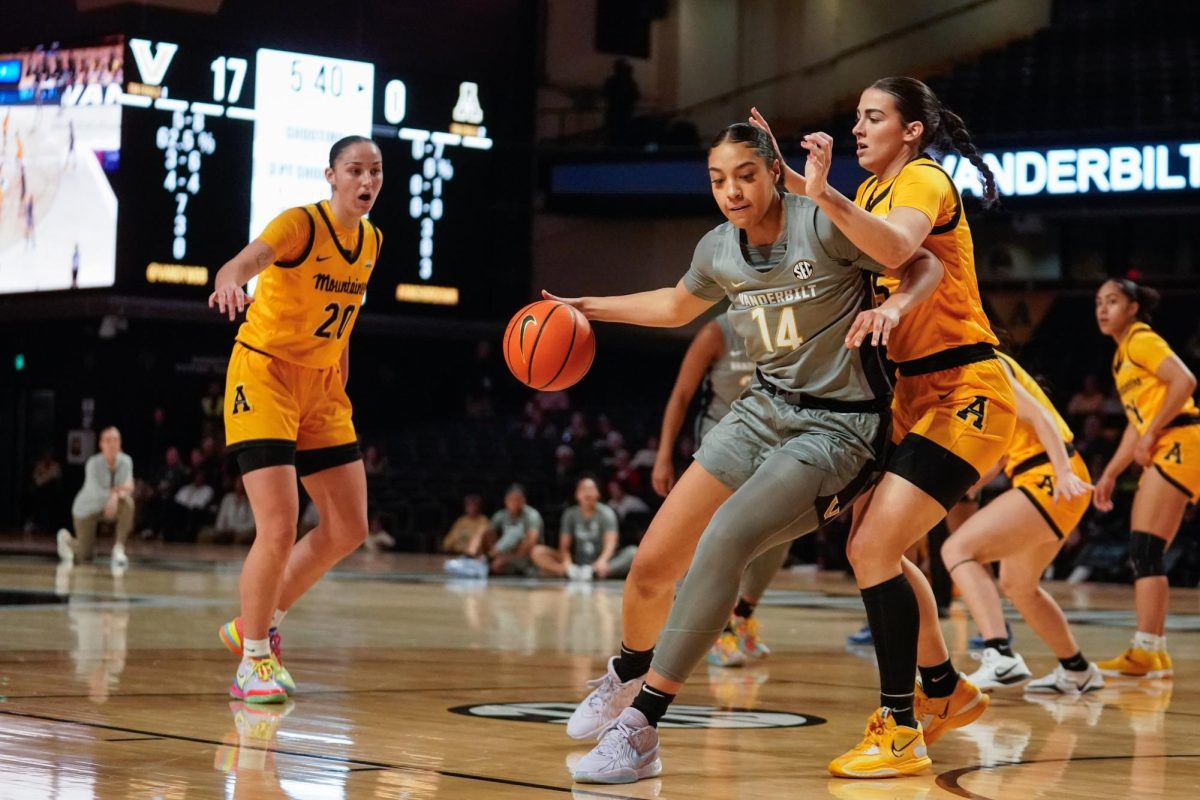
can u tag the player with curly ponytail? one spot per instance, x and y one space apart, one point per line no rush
954 411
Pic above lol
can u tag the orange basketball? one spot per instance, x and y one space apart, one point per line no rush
549 345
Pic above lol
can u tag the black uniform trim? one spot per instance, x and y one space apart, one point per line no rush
877 405
951 223
253 349
947 359
1174 482
312 236
1041 511
346 254
309 462
941 474
255 454
1039 460
1183 421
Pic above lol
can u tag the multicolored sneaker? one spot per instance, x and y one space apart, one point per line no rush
749 641
725 651
939 715
627 753
1135 663
231 637
886 751
256 681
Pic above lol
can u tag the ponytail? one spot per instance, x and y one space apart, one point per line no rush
1146 298
956 131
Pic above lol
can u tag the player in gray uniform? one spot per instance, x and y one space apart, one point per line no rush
504 547
794 450
587 541
716 363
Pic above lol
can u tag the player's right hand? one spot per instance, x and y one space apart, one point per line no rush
1102 496
230 298
662 477
574 302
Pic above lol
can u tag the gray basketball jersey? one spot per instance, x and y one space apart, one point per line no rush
512 531
793 319
587 535
728 375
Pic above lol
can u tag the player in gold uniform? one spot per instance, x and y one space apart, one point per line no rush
1163 436
286 409
953 411
1023 529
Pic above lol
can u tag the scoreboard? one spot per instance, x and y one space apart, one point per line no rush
216 141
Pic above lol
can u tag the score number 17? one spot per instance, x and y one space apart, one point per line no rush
237 69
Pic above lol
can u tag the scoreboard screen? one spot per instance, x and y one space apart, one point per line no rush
217 140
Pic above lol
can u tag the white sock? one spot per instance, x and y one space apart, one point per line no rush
257 648
1161 645
277 618
1145 641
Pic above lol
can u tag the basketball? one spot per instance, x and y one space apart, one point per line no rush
548 345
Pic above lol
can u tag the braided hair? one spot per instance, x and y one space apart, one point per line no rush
756 139
943 129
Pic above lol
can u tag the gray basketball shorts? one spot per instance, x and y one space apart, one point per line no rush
842 445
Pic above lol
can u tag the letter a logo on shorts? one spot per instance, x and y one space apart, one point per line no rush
977 408
1047 484
1175 453
239 399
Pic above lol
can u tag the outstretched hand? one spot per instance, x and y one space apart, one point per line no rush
230 298
816 166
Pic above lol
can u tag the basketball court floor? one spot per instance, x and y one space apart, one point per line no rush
412 686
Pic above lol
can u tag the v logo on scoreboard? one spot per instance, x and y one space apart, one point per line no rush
152 66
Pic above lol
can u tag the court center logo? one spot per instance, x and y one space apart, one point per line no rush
803 269
679 716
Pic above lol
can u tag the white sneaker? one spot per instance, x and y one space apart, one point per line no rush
65 553
573 571
466 567
585 572
119 559
601 708
999 670
1065 681
627 753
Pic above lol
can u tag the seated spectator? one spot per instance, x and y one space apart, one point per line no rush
212 409
377 535
1088 400
623 471
472 525
235 520
577 432
45 493
645 458
192 508
171 475
374 462
107 494
623 502
503 548
587 541
566 473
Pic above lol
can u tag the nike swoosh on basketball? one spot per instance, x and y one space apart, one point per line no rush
324 258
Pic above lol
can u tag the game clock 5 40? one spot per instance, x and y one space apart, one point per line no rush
216 141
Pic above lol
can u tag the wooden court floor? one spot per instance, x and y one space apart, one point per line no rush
415 687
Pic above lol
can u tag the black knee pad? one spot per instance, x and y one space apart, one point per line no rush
1146 554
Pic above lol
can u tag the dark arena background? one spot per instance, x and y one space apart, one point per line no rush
533 145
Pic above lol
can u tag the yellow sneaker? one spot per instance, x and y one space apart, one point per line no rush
886 751
939 715
1133 663
1166 667
725 652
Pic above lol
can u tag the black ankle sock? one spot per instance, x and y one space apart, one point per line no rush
940 680
1001 645
894 617
1076 663
728 626
632 664
652 703
744 608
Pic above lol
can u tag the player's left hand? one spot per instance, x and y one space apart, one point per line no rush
816 166
878 322
1143 451
1069 487
600 569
